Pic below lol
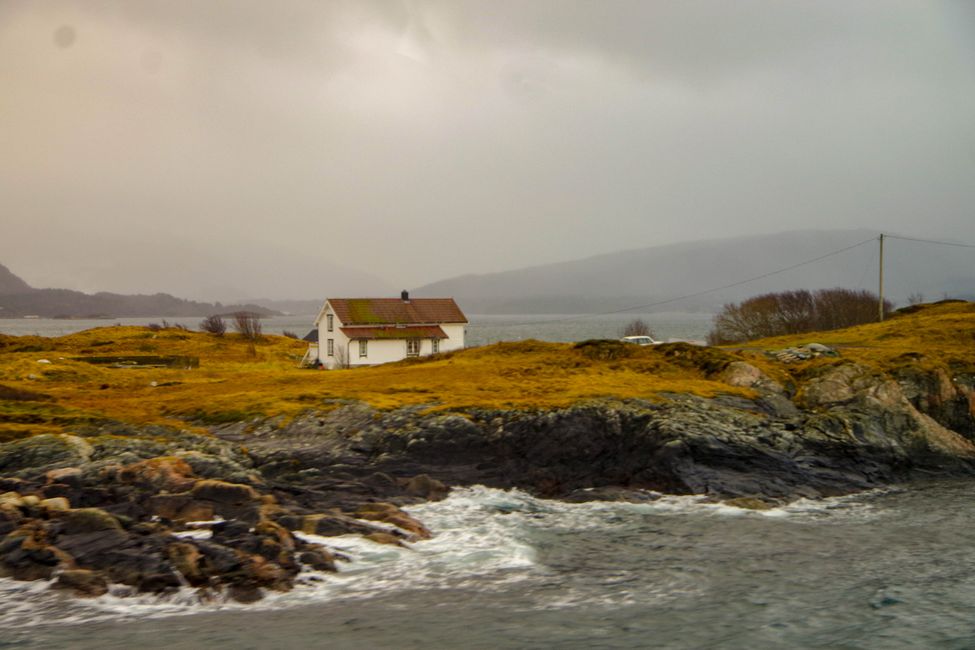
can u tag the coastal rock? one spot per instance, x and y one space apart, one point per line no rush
224 493
390 514
745 375
87 520
333 524
70 476
163 473
82 582
425 487
56 504
39 454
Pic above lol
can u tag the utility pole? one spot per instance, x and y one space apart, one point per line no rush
880 306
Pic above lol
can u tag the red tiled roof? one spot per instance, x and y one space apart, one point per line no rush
393 311
393 332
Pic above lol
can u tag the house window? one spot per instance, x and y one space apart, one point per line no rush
331 347
328 320
412 347
363 349
435 345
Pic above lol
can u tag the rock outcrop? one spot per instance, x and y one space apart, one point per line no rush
124 505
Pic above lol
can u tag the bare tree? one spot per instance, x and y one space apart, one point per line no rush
794 312
213 325
637 327
248 325
915 298
289 334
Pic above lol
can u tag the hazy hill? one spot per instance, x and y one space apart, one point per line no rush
10 283
18 299
648 275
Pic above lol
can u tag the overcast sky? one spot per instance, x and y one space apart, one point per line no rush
224 149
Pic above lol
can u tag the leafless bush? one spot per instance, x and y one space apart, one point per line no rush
916 298
214 325
637 327
289 334
248 325
166 325
794 312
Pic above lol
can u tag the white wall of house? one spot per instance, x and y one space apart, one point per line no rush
455 337
377 350
340 342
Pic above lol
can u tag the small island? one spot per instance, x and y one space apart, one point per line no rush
226 472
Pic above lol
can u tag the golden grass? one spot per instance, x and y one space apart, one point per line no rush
928 336
235 382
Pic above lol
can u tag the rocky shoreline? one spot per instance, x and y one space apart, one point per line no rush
111 505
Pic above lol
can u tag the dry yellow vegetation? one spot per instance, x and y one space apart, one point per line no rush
236 381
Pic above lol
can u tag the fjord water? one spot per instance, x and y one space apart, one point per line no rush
482 330
888 569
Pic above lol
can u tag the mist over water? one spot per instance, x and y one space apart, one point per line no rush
886 569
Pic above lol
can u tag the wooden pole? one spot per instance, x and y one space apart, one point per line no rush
880 306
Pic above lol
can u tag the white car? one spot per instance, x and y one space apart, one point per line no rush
640 340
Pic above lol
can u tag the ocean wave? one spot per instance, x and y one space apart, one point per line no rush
483 537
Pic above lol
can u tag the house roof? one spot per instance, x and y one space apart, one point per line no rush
395 311
312 336
394 332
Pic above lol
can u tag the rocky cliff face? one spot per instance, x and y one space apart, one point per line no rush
848 428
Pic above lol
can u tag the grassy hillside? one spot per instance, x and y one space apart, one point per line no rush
236 381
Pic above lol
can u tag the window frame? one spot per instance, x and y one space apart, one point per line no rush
363 348
330 347
413 347
329 323
434 346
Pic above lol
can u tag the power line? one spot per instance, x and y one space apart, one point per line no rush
705 291
930 241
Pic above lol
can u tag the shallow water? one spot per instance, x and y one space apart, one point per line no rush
885 569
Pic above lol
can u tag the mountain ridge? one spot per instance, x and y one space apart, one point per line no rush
705 274
18 299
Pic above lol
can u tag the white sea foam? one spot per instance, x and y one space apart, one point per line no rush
483 537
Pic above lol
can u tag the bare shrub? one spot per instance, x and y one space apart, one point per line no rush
637 327
248 325
155 327
214 325
289 334
794 312
916 298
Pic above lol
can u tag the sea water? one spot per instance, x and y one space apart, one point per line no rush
482 329
885 569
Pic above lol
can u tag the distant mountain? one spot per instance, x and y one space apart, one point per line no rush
18 299
10 283
664 273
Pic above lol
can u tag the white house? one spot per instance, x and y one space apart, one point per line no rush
369 331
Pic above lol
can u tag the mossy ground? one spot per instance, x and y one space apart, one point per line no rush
238 381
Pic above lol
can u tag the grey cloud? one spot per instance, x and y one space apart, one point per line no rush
418 140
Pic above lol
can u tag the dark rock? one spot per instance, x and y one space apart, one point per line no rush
86 547
82 582
390 514
317 557
87 520
425 487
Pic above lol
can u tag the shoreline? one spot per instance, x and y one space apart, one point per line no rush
88 498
